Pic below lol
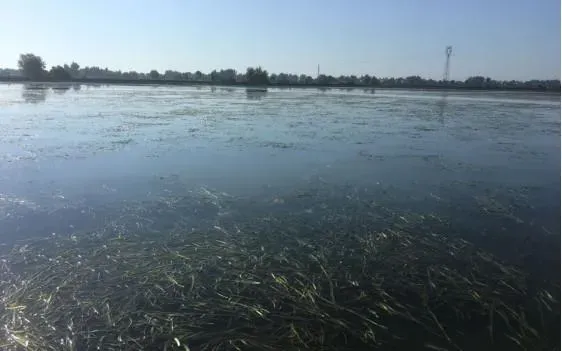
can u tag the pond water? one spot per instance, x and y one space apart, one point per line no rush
90 146
75 159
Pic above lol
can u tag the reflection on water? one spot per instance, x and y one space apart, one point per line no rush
33 93
252 94
442 104
61 88
36 93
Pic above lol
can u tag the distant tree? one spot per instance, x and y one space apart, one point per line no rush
172 75
59 73
366 79
293 79
73 69
325 80
9 72
130 75
322 79
283 78
375 82
388 82
257 76
475 82
273 78
414 81
115 74
32 66
227 76
154 74
214 76
93 72
553 84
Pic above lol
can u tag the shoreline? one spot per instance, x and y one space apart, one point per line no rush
104 81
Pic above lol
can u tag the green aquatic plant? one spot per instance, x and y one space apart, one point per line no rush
320 275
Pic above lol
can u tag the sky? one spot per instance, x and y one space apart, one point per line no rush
503 39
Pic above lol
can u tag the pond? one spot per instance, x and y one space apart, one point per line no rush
329 174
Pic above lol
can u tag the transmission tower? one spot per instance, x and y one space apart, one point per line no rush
448 52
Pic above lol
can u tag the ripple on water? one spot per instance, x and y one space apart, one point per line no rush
278 145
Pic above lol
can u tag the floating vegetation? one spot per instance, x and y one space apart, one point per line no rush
336 272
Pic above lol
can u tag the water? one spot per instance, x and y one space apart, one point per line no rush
113 143
82 158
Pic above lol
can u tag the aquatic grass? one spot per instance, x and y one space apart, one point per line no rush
279 280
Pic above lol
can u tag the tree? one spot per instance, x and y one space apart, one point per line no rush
59 73
322 79
214 76
130 75
293 79
32 66
172 75
283 79
475 82
227 76
415 81
198 75
325 80
256 76
154 74
366 79
273 78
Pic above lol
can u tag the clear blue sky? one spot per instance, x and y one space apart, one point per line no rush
504 39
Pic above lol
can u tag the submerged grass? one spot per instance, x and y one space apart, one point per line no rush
357 276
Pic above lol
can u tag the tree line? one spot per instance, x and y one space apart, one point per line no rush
32 67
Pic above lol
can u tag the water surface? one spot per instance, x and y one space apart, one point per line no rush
86 147
158 216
